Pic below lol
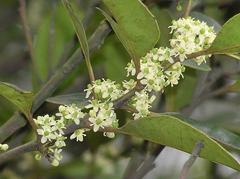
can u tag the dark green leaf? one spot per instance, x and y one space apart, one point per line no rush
22 99
171 131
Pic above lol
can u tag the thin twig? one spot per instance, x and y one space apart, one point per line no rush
189 163
188 8
28 147
148 163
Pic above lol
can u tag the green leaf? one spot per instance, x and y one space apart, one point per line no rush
133 23
171 131
228 39
79 29
193 64
22 99
74 98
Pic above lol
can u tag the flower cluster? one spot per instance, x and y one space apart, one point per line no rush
190 35
159 68
51 129
3 147
142 102
104 90
70 113
101 115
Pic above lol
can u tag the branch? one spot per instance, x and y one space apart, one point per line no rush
188 164
28 147
16 122
35 145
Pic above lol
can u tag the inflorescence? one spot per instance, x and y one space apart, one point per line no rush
160 68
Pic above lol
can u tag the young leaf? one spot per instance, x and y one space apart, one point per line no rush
78 26
22 99
171 131
67 99
82 38
228 39
133 30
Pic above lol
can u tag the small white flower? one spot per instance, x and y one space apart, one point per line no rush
78 134
60 141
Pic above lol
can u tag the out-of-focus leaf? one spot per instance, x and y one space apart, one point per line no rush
133 30
22 99
63 34
171 131
54 33
235 87
74 98
210 21
41 45
79 29
228 39
193 64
